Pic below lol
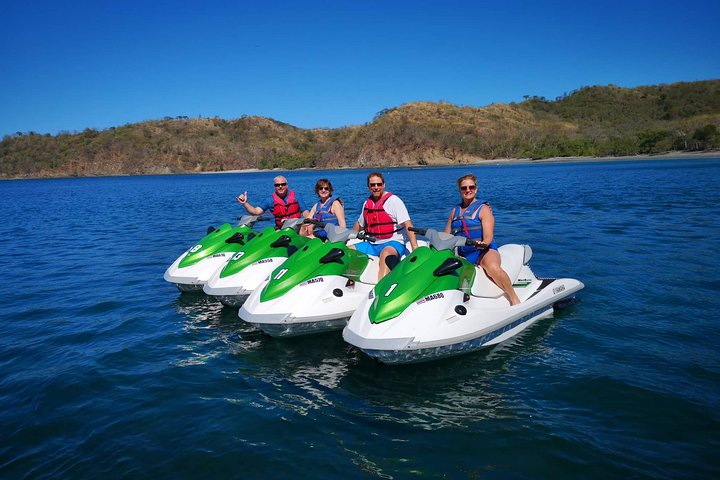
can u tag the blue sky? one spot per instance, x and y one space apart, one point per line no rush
67 66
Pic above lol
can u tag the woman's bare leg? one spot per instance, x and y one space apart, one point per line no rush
491 264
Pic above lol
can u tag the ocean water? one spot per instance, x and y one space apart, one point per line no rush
106 371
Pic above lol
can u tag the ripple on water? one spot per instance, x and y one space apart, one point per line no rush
106 371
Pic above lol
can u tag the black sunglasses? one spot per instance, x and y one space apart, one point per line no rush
468 187
278 185
375 184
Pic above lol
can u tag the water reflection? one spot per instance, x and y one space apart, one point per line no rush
451 393
299 374
212 328
294 374
204 312
322 373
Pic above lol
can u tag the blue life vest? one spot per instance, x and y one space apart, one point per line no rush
468 224
323 214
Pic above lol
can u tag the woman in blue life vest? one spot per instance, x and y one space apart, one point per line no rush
474 219
283 203
385 217
328 209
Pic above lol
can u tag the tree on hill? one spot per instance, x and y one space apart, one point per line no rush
593 120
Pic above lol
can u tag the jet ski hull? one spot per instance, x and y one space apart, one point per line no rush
194 277
320 304
253 263
191 270
451 322
233 290
316 290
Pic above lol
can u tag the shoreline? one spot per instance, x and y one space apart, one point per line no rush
679 155
508 161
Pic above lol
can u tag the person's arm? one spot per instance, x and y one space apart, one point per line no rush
410 234
448 225
243 200
401 215
488 224
306 229
359 224
301 205
339 210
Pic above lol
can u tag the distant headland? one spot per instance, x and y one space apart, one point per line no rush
594 123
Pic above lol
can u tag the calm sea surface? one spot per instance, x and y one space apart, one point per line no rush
106 371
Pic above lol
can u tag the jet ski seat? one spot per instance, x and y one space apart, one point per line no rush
513 257
336 233
444 241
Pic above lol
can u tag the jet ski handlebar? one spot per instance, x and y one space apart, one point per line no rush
250 220
447 241
339 234
363 235
316 223
292 223
476 243
336 233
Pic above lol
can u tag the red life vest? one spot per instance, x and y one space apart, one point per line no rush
284 209
378 222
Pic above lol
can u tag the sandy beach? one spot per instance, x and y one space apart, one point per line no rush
513 161
715 154
660 156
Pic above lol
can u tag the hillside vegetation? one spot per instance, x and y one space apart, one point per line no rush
591 121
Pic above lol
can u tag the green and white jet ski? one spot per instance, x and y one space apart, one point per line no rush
253 262
435 304
193 268
315 290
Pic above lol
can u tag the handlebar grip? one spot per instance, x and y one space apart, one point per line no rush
421 231
474 243
255 218
361 235
318 223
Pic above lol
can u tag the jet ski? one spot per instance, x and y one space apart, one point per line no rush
194 267
254 261
435 304
315 290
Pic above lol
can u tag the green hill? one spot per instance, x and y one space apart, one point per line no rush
598 120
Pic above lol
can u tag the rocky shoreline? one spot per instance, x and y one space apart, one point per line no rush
714 154
516 161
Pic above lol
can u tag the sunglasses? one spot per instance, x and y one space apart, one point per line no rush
465 188
375 184
278 185
324 188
